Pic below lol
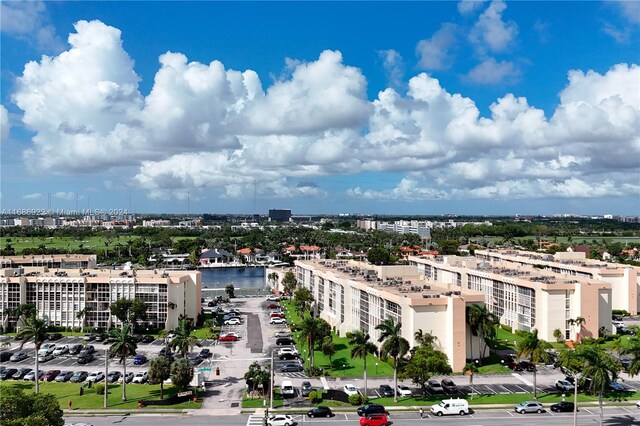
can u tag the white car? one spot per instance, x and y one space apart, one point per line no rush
128 377
230 333
97 376
273 298
404 390
170 336
140 377
638 404
49 347
233 321
61 350
349 389
44 356
564 385
281 420
292 351
277 321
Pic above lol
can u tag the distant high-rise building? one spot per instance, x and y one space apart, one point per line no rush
276 215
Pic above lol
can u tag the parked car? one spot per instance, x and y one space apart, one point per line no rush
89 337
277 321
273 298
49 347
44 356
85 357
75 349
205 353
103 336
126 378
367 410
54 336
404 390
18 356
279 334
95 377
228 338
448 386
113 376
374 420
291 368
276 314
31 376
349 389
5 356
615 386
529 407
564 385
79 377
139 360
285 341
515 366
233 321
51 375
288 356
88 349
292 351
435 386
8 373
61 350
273 306
320 412
64 376
194 359
449 407
140 377
147 339
562 407
230 315
306 388
19 375
385 390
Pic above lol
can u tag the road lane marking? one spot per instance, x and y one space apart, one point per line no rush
522 379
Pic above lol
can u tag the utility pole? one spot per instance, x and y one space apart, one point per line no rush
271 387
106 378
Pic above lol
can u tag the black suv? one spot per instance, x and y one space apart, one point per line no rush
54 336
284 341
385 390
371 409
75 349
448 386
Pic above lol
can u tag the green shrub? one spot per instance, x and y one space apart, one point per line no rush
506 327
520 333
315 396
355 399
99 388
313 371
619 312
364 399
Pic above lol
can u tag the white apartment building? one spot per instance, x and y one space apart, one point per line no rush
353 295
624 279
59 294
524 297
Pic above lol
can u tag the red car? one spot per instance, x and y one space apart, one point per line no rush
51 375
273 306
228 338
277 315
374 420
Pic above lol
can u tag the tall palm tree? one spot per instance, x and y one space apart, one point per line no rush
474 320
393 345
361 347
309 331
184 340
633 348
123 346
82 315
470 369
422 338
600 367
36 329
578 322
535 350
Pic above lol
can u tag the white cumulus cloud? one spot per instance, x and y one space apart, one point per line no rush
5 125
29 20
491 71
33 196
435 52
491 33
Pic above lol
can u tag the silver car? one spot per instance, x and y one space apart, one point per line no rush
529 407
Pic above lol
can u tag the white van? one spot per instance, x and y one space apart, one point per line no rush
286 388
451 406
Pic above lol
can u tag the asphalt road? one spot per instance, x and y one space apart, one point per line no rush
614 416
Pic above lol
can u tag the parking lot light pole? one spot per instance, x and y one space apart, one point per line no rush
576 377
272 379
106 378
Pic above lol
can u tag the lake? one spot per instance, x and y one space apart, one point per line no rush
252 277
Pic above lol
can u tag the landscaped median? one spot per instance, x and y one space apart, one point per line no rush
65 392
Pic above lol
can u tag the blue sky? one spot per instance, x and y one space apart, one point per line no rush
366 107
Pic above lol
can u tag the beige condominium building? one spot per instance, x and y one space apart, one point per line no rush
524 297
352 295
59 294
624 279
84 261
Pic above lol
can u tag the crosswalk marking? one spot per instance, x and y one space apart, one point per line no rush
255 420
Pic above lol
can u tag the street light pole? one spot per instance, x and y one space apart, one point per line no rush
272 378
106 378
576 377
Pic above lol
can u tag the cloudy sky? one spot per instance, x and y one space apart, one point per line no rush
411 108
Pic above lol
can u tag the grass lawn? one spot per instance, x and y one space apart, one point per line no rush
248 402
341 363
90 400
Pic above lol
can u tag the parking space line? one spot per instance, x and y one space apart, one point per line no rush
509 413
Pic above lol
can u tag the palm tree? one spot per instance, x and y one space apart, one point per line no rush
474 320
82 314
124 345
184 341
600 367
394 345
422 338
361 347
309 331
633 348
534 349
470 369
578 323
36 329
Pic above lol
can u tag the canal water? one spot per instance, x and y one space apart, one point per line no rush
251 277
